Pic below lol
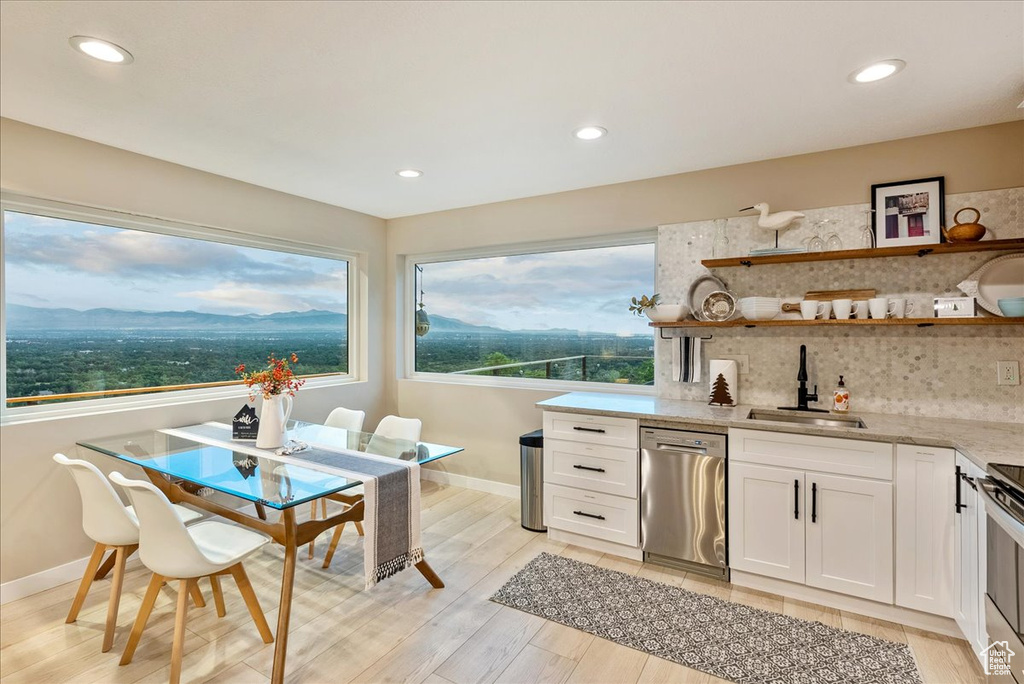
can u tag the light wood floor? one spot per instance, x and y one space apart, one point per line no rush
401 630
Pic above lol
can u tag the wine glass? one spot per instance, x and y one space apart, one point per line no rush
867 234
833 243
815 243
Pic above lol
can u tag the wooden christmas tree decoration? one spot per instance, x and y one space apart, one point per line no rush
720 392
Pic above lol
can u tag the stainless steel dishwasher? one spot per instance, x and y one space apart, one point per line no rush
682 499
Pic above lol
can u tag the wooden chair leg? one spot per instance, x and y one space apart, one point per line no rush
197 594
359 528
334 544
178 645
218 595
152 591
83 588
251 602
323 507
312 516
261 512
116 582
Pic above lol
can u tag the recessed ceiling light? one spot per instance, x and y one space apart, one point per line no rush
877 71
103 50
409 173
590 132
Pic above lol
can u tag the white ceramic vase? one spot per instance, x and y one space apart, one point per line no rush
273 419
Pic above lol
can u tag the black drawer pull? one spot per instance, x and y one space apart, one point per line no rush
588 515
583 467
586 429
796 499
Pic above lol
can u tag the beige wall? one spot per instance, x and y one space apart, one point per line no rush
488 420
39 507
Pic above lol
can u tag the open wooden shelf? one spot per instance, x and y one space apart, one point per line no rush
876 253
853 322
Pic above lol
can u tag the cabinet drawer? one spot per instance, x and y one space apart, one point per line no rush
595 467
603 516
807 452
580 427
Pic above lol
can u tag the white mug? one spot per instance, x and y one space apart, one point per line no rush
861 308
827 311
880 307
900 307
844 308
811 309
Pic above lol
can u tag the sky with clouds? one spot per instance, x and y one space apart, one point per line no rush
585 289
56 263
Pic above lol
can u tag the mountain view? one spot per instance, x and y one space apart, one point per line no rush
64 351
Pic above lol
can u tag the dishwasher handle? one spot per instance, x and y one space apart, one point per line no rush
699 451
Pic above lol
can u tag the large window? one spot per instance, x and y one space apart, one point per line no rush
95 310
556 315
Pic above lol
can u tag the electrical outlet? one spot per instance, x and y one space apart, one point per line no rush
742 361
1007 372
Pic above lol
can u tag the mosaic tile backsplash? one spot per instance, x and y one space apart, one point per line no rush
942 372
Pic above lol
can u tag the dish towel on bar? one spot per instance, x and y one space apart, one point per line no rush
686 359
391 494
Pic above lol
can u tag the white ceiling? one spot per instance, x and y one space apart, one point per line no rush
327 99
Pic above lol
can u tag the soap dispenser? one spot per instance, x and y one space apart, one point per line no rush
841 397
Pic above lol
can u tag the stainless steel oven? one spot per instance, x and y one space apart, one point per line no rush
1003 494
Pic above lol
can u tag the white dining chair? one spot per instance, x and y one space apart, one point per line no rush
111 525
344 419
389 430
173 551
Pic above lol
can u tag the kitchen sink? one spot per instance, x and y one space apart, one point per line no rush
819 419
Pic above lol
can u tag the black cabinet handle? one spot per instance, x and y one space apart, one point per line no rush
796 499
958 506
586 429
583 467
814 502
588 515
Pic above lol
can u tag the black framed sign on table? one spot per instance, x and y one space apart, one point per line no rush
909 212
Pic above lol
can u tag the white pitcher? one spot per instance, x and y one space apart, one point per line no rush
273 419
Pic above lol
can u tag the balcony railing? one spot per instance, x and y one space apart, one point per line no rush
550 366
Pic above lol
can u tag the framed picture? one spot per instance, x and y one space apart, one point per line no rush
909 212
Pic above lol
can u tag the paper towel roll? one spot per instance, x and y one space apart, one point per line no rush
724 388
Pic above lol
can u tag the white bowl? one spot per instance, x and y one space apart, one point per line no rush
760 308
667 313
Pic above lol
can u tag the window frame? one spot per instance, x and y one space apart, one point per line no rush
357 309
408 308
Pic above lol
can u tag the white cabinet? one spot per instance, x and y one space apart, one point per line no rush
599 468
766 520
969 568
591 481
925 482
798 511
849 535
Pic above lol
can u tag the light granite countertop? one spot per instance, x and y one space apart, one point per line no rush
981 441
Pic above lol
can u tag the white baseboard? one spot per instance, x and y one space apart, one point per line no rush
596 544
53 577
881 611
480 485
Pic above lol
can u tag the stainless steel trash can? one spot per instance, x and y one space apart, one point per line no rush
531 456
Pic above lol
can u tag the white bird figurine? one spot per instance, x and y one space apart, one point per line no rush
780 220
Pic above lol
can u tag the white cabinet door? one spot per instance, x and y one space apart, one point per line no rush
970 558
925 482
766 520
849 536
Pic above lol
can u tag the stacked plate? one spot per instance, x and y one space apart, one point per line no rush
760 308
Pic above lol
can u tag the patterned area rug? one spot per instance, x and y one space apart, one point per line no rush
725 639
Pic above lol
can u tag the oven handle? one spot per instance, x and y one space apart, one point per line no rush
998 514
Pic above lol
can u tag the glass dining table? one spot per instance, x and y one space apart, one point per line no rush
189 468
